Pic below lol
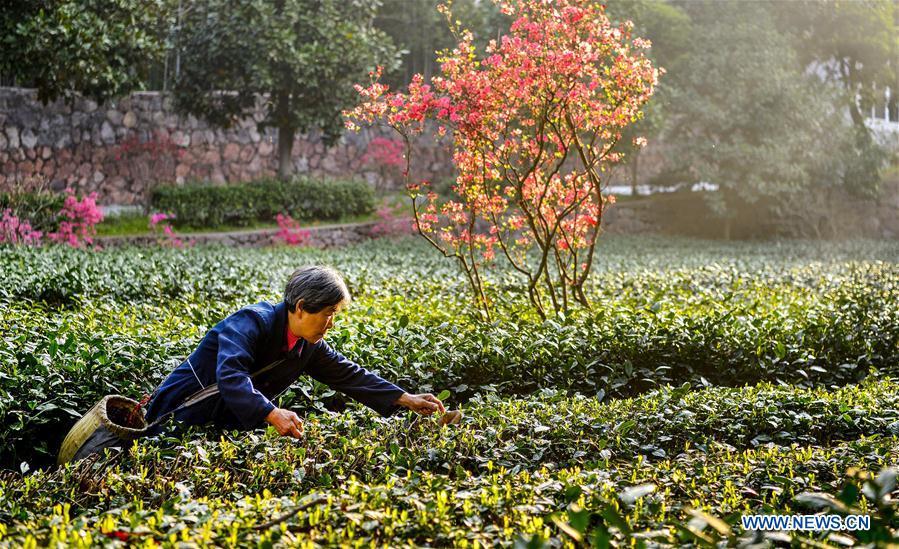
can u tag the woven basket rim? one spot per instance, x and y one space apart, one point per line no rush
115 428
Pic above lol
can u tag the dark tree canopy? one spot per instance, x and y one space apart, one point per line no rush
97 48
854 42
301 56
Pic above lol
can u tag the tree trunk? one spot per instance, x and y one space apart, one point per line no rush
857 117
285 145
285 135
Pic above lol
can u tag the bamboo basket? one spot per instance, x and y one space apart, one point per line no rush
111 422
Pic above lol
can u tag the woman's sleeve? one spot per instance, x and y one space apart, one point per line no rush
235 358
340 373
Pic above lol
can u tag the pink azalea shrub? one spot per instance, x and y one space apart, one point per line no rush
165 233
534 123
78 220
17 231
289 231
382 151
386 156
389 224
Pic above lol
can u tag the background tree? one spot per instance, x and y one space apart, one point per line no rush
669 29
301 56
97 48
854 45
748 117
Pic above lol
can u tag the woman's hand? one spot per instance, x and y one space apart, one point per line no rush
287 423
424 404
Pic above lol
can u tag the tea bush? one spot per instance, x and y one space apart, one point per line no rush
367 479
709 380
87 324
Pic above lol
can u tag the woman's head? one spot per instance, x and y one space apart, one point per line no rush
313 296
317 287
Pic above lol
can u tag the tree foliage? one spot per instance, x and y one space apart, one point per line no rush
855 44
748 119
97 48
669 29
300 56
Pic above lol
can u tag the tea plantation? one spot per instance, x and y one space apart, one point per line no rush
709 381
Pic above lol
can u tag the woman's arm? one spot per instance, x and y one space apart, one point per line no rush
335 370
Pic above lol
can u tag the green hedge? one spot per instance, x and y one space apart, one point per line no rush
204 205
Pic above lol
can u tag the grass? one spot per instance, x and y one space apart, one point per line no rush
131 224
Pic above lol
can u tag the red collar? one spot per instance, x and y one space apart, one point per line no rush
291 339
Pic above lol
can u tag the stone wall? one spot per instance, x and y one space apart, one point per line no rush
122 148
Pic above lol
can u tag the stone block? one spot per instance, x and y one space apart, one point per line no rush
65 170
107 134
211 157
63 141
329 164
182 139
247 153
231 152
49 169
265 148
114 116
129 120
12 136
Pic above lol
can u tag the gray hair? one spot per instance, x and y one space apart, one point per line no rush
318 286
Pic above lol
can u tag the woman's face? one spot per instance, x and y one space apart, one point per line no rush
313 326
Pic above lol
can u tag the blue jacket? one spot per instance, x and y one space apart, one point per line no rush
246 342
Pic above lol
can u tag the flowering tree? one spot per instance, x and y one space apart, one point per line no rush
534 125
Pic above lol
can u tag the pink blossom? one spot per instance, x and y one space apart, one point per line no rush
289 232
15 231
167 237
79 220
